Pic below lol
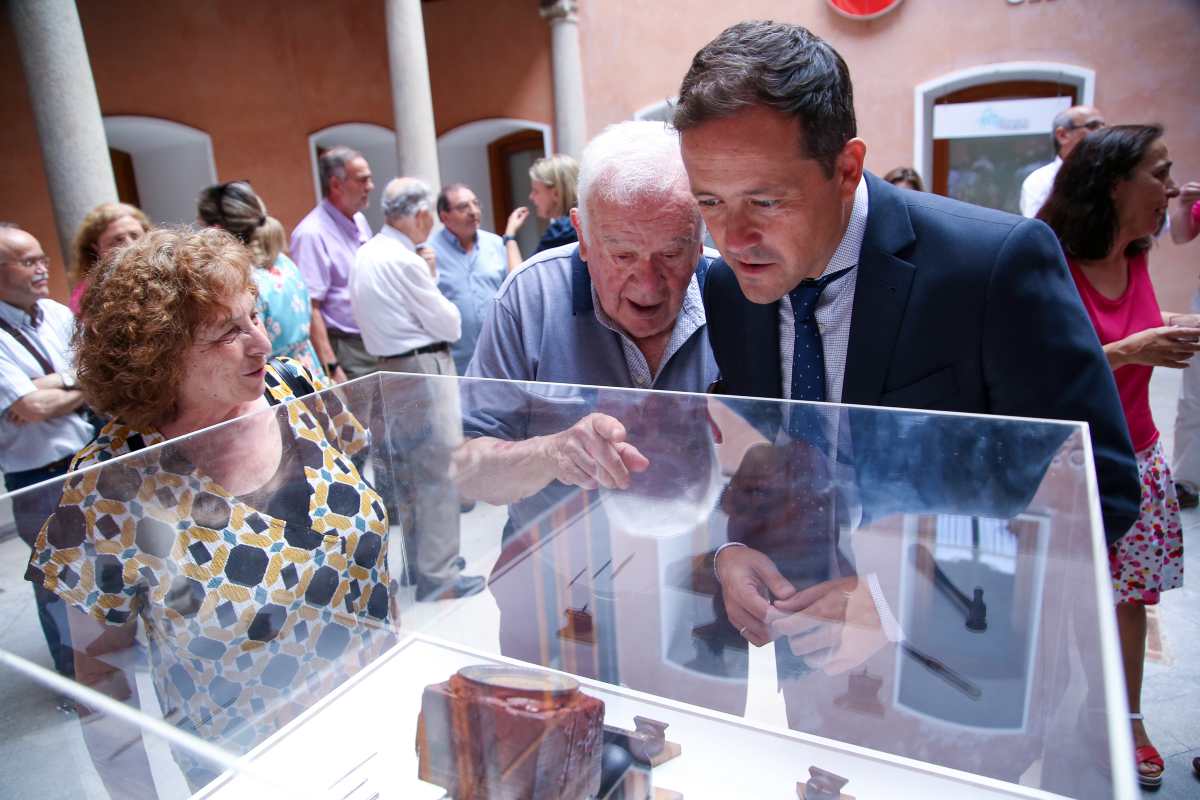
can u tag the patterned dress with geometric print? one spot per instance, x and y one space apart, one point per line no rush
250 617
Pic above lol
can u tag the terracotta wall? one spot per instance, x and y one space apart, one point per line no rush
636 53
261 76
488 58
23 194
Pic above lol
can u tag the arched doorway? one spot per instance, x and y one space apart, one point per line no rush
378 146
493 157
980 132
160 165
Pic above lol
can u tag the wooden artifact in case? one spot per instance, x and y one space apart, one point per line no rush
506 733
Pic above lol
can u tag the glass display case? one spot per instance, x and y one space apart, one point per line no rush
687 596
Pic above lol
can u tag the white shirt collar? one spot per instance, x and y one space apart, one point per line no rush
399 235
849 248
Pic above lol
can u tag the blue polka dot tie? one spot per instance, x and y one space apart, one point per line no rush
808 357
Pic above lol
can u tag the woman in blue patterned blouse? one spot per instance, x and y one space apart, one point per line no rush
282 297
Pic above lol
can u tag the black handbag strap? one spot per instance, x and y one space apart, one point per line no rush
38 355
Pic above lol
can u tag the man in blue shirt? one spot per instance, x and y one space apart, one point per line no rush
471 265
620 308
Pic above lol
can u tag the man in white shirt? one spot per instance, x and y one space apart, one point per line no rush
408 325
40 424
1069 127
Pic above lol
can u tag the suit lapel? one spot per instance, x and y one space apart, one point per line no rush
744 336
880 294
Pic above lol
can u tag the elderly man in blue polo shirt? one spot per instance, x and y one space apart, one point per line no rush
620 308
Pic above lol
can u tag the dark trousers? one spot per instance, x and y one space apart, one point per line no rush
30 511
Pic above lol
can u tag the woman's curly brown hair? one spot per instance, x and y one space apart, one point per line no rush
83 249
142 313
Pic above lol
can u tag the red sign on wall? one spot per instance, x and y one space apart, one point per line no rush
863 9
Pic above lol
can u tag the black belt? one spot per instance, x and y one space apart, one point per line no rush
337 333
54 466
437 347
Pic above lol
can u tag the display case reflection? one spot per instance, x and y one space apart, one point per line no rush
932 608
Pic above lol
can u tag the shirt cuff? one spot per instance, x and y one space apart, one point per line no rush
891 627
719 549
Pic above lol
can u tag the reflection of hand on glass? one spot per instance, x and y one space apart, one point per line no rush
781 507
748 580
589 454
682 480
834 624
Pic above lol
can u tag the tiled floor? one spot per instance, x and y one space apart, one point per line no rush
42 752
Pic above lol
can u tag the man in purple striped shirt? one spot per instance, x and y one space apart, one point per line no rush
323 246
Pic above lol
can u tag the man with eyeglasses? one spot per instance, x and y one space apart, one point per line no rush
1069 127
40 427
471 262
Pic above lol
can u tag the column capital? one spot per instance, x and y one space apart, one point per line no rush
560 10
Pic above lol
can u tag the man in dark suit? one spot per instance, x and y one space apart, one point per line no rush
836 286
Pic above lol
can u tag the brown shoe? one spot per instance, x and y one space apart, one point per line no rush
1187 498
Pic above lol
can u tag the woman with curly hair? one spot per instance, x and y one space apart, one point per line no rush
255 555
1108 201
282 295
105 228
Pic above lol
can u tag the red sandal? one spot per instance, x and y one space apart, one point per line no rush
1148 754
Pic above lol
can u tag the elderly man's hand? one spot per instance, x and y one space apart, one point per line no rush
593 453
749 579
430 255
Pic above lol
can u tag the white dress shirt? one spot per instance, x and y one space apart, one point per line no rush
1036 188
36 444
396 300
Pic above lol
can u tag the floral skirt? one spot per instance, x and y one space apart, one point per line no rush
1148 560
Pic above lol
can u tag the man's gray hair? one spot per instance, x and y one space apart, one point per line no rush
1063 119
332 164
628 162
406 197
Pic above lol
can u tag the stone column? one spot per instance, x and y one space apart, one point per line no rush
570 118
66 110
412 99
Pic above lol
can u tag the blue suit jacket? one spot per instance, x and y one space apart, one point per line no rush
956 308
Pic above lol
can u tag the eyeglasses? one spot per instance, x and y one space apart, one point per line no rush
31 262
1091 125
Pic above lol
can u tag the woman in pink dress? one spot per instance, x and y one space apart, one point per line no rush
1108 201
106 227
